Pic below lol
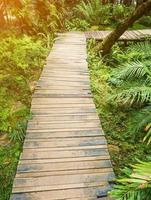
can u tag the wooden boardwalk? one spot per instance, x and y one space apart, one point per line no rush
65 155
135 35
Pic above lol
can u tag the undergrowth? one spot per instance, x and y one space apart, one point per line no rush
118 121
21 61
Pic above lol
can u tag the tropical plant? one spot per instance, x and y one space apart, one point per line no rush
120 11
94 12
146 21
21 56
135 95
140 125
21 61
134 70
139 51
136 185
134 76
77 25
45 16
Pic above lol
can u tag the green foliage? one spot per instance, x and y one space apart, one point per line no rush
117 122
136 66
134 95
45 16
120 12
48 17
134 52
134 70
77 25
132 81
145 20
93 12
126 127
139 51
21 61
101 15
21 56
9 155
140 125
135 185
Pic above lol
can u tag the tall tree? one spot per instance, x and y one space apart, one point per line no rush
110 40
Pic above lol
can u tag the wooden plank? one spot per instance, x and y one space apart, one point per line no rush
62 92
66 148
58 194
49 154
61 101
60 121
66 166
63 95
58 117
64 111
62 87
63 118
27 174
65 134
48 106
57 187
62 179
63 125
74 142
65 77
64 160
57 129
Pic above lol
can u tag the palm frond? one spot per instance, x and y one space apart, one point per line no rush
133 70
133 95
136 186
139 51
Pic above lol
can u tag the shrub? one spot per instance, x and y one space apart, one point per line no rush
77 25
120 12
146 21
21 61
94 12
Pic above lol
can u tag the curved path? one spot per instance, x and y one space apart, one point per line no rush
65 153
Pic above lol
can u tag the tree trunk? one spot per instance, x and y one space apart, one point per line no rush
110 40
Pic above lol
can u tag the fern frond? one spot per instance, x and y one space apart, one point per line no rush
133 70
93 11
136 186
134 95
147 137
140 51
143 122
140 125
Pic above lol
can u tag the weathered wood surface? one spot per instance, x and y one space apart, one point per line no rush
65 153
127 36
